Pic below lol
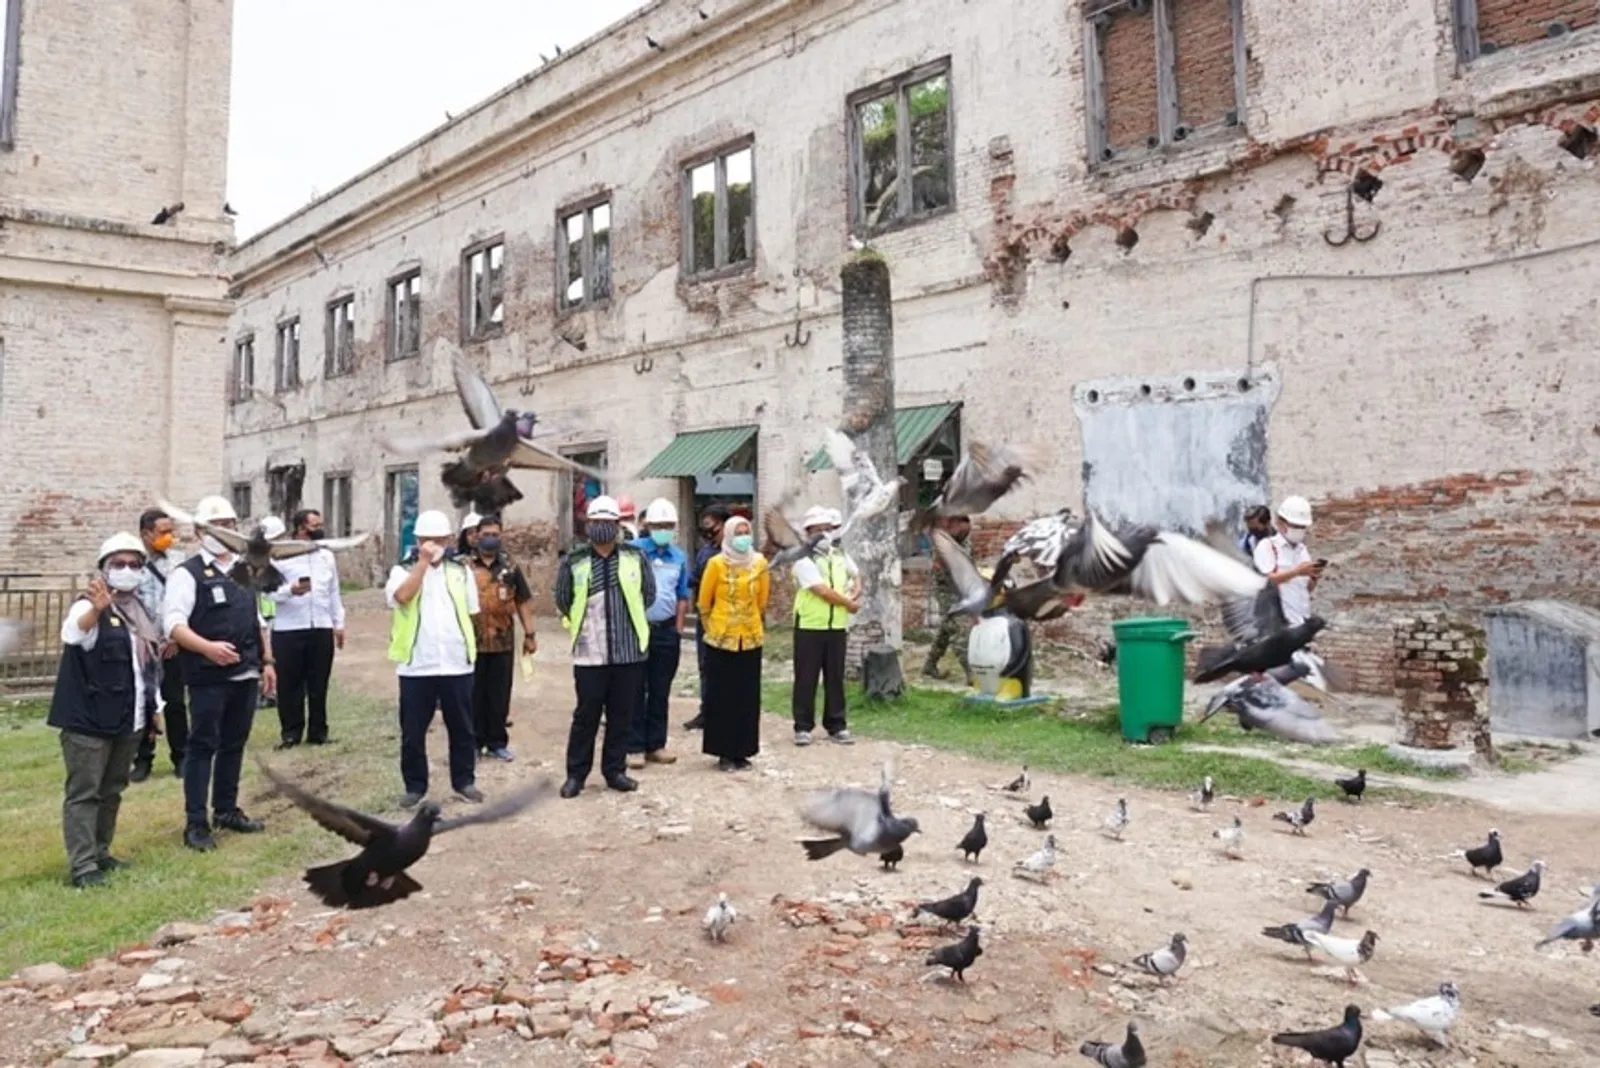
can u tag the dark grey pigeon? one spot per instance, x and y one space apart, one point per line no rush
1487 856
1128 1055
1332 1046
1582 926
1354 786
1299 818
1165 962
892 857
959 956
956 908
862 822
1521 890
1041 813
973 843
1270 706
1294 933
1343 894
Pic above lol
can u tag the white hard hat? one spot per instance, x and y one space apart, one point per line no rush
660 510
211 509
272 527
1296 511
835 519
120 542
432 524
816 516
603 507
471 520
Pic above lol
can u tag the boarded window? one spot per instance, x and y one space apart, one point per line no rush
284 484
242 382
405 316
241 499
584 258
336 505
341 353
286 365
719 212
901 128
1484 27
483 289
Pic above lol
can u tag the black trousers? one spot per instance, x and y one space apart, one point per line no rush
700 660
175 721
819 652
305 663
491 699
420 697
220 718
612 690
649 730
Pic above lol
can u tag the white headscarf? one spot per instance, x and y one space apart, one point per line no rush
736 525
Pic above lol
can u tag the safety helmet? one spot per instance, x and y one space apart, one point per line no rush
432 524
660 510
272 528
816 516
625 509
470 521
211 509
120 542
603 507
1296 511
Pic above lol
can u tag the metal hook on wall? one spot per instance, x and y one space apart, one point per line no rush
1350 230
797 339
644 365
527 388
791 49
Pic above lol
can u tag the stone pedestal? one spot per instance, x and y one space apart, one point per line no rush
1443 687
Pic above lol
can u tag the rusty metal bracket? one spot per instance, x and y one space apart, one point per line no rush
1351 231
644 365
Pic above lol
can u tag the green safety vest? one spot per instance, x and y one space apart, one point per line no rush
406 619
630 577
268 606
812 612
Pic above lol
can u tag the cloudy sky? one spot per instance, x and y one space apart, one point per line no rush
323 90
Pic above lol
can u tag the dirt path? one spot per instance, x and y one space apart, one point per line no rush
824 966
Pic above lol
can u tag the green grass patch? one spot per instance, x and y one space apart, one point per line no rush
43 919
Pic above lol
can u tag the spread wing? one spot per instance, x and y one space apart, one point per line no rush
476 396
1176 567
358 828
1250 619
1093 558
288 550
1040 540
963 572
779 530
851 813
857 473
530 455
506 807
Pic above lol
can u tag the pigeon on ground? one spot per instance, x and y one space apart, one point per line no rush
1201 799
377 875
1041 813
1353 787
984 474
1128 1055
1117 822
1020 784
1487 856
1433 1016
862 821
889 858
973 843
953 909
1232 838
959 956
720 917
1164 963
1582 926
1268 705
254 568
1334 1045
1347 951
1299 818
14 634
1343 894
1042 861
1521 890
1295 933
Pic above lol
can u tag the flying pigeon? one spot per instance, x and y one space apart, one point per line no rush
1201 799
1232 838
1128 1055
1020 784
720 917
953 909
1042 861
254 568
1295 933
1299 818
1261 638
1164 963
1347 951
1306 666
889 858
1353 787
1116 823
865 492
984 474
377 875
1267 705
971 845
1582 926
1487 856
1520 890
1334 1045
959 956
1343 894
1040 814
1433 1016
14 634
862 821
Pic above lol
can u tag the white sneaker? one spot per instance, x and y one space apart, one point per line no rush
802 738
842 738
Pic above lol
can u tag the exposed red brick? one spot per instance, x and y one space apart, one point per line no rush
1508 23
1202 32
1130 79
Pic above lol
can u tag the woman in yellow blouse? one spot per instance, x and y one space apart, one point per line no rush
733 598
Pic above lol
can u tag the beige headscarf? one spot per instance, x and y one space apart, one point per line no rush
734 526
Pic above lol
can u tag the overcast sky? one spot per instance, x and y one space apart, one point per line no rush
323 89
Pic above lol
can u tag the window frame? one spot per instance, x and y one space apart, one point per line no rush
340 525
898 87
285 330
332 367
495 286
393 353
241 386
10 72
585 208
247 491
1096 17
1469 43
686 169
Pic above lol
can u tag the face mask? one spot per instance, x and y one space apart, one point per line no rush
488 543
316 535
602 531
1294 535
663 537
162 543
125 579
742 543
213 546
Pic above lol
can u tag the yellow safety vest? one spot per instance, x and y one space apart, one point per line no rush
406 619
630 577
812 612
267 605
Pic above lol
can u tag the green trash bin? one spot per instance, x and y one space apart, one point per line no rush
1150 676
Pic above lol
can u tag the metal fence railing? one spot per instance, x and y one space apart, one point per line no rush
41 601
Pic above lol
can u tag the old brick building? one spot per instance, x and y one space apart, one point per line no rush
1210 251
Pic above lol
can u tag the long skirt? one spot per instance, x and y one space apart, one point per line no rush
733 704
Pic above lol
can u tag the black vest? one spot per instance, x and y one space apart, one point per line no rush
94 688
233 619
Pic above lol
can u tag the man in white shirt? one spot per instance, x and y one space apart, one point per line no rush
432 640
827 594
308 627
1286 561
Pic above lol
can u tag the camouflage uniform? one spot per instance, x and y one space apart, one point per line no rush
952 629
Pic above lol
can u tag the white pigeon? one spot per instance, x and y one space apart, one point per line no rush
1232 838
1433 1016
1347 951
865 493
1042 861
719 918
1201 799
1117 822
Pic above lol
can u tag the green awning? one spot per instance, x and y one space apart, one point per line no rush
698 452
912 429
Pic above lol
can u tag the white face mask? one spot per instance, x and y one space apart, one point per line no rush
125 579
213 546
1294 535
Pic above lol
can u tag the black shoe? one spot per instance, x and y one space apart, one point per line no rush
622 784
89 879
177 770
471 793
696 724
411 800
287 743
316 741
239 823
727 765
113 864
140 771
572 788
199 839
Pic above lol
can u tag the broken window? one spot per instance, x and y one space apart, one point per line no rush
284 484
241 499
10 68
719 211
483 288
341 354
243 380
584 258
405 316
902 128
286 367
336 505
1484 27
1161 72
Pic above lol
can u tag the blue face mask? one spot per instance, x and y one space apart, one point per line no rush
663 537
742 543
